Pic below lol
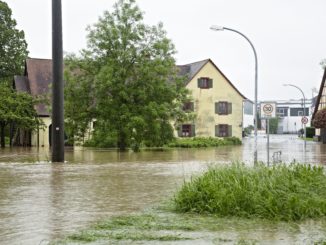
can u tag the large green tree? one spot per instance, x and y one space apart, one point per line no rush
15 107
132 77
13 47
18 109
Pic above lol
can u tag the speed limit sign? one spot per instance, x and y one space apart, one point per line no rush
304 120
267 110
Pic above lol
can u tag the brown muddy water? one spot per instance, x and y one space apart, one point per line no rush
40 201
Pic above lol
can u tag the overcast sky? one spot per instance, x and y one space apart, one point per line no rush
289 36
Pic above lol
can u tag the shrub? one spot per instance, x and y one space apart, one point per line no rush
320 119
102 139
248 130
280 192
310 132
273 125
198 142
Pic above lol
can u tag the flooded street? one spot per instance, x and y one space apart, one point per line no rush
40 201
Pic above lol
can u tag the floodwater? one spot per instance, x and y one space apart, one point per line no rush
40 201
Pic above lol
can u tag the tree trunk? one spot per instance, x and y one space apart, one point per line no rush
122 144
14 139
2 135
11 134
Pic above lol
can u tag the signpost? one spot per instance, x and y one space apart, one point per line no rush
267 111
304 120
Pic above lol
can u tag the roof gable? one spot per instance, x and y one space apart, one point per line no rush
39 73
192 69
36 80
320 93
21 84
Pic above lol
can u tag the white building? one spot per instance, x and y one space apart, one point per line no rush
290 113
248 113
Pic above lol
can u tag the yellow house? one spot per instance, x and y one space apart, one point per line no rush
321 104
217 103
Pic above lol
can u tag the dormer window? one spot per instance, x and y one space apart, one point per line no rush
205 82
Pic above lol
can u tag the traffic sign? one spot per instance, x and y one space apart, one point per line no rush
268 110
304 120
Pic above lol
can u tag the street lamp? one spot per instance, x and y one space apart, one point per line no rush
222 28
304 110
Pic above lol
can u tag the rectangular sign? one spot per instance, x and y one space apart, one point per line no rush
267 110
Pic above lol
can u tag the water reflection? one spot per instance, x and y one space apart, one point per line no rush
42 201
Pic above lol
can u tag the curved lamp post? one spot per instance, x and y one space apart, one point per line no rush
221 28
304 110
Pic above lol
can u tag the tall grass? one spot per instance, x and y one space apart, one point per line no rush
293 192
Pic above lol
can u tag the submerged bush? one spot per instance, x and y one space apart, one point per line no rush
310 132
198 142
280 192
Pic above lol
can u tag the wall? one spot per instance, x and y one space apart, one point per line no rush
42 134
204 100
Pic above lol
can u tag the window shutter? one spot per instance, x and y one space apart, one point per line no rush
193 130
180 131
217 107
210 83
217 130
229 130
200 83
192 106
229 108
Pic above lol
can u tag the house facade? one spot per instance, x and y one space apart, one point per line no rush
319 105
216 102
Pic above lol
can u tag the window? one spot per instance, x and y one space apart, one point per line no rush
223 130
223 108
205 82
282 111
186 130
188 106
95 124
295 112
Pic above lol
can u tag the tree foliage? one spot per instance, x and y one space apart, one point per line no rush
129 70
17 108
13 47
14 107
79 97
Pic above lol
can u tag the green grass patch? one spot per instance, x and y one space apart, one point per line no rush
159 225
91 236
198 142
142 227
281 192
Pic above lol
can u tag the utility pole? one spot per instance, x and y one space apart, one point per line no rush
57 84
